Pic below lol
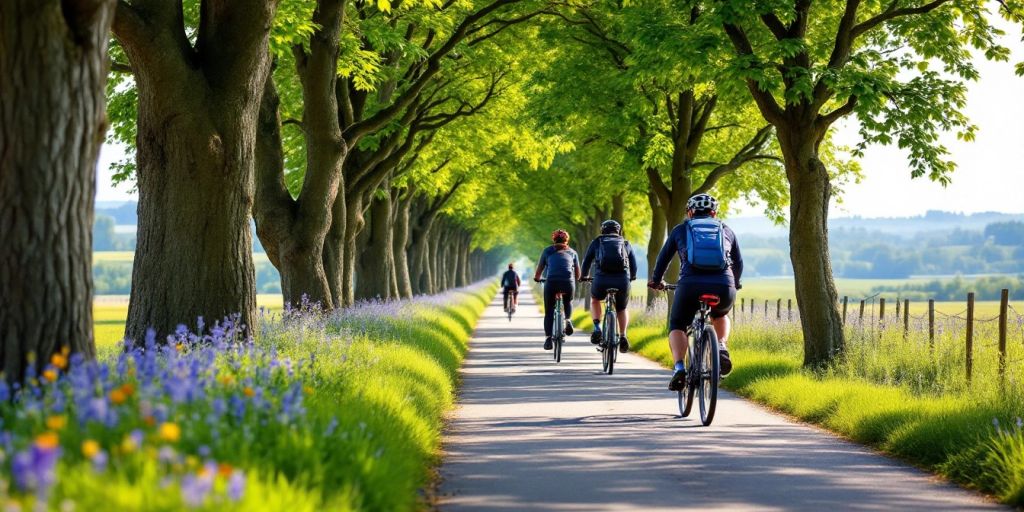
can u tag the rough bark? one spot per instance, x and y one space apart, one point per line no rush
197 117
654 242
376 258
53 67
816 295
401 250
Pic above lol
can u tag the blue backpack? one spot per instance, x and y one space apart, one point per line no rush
705 244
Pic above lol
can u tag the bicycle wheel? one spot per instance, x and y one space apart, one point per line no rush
558 333
709 375
608 339
686 394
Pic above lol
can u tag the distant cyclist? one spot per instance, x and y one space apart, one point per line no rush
510 285
711 264
561 265
616 267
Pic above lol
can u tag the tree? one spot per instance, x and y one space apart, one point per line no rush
808 65
52 122
199 71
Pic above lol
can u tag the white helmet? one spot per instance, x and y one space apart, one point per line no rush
702 203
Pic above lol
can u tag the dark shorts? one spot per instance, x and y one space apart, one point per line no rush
513 291
687 302
599 289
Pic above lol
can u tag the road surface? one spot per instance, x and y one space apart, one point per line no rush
529 434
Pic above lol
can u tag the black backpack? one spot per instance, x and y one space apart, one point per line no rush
612 255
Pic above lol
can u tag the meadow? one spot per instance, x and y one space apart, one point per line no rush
314 411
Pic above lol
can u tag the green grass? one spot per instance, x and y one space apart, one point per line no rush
385 373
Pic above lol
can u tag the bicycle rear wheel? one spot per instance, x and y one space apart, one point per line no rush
558 333
709 375
608 339
686 394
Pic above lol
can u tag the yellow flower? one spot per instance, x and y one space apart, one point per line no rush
47 440
249 392
59 361
191 461
169 432
128 445
50 374
56 422
308 390
117 396
90 448
227 380
179 347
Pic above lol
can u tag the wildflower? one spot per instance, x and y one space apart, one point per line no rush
60 361
128 389
99 461
149 420
308 390
169 432
90 448
117 396
249 392
56 422
50 374
236 485
227 380
224 469
132 441
47 441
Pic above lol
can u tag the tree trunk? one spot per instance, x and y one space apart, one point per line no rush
197 121
375 258
619 208
816 295
334 250
654 243
354 223
53 69
402 248
465 240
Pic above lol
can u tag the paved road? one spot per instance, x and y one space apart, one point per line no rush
532 435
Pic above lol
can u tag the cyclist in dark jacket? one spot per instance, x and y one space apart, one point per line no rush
562 266
694 282
615 272
510 284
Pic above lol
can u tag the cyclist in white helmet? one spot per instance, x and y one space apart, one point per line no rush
700 277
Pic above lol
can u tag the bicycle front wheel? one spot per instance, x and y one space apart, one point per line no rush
709 375
686 394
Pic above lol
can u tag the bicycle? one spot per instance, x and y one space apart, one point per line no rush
609 346
509 307
558 327
701 362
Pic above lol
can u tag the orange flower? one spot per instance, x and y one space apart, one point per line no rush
50 374
149 420
169 432
224 469
90 448
227 380
249 392
47 440
59 361
127 389
117 396
56 422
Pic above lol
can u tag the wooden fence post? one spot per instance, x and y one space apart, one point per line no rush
906 318
1004 302
778 309
881 308
766 309
969 360
743 305
897 308
861 316
789 309
931 323
845 298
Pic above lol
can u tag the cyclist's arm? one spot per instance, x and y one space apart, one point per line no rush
576 265
737 261
588 260
518 281
541 264
665 257
632 262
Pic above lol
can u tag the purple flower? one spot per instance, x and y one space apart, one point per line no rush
236 485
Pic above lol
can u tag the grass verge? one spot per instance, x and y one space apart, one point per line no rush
320 412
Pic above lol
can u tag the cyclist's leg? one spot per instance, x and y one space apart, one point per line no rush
621 303
684 307
549 307
515 298
569 292
720 313
504 298
598 292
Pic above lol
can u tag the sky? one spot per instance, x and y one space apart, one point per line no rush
989 175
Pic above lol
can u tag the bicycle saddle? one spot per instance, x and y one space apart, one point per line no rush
612 290
710 299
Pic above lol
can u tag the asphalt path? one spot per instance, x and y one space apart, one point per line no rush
529 434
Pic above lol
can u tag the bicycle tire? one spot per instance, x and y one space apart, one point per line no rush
710 375
558 333
686 394
609 336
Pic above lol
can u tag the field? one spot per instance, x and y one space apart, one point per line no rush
98 256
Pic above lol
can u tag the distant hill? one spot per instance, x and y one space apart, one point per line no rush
906 226
124 213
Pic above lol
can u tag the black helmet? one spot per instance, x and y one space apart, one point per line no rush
702 203
610 226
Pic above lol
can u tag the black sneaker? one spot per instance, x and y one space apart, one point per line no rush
548 345
724 363
678 382
568 328
595 337
623 345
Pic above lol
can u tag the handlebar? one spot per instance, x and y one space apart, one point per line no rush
666 287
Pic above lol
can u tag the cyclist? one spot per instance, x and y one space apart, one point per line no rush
563 270
510 284
616 267
712 264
